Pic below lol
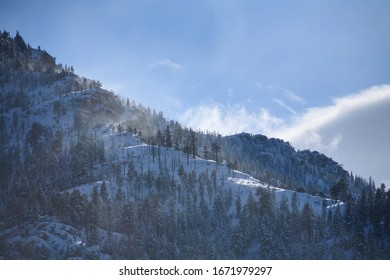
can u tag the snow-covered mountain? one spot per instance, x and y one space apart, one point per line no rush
85 173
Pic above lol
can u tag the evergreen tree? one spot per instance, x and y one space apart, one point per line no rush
104 193
168 138
307 221
193 142
205 153
20 44
216 149
338 190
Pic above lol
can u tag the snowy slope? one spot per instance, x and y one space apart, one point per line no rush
85 173
125 148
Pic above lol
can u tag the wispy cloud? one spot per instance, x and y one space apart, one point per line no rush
165 62
284 105
290 95
227 119
282 93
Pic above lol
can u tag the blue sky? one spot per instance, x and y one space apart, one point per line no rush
259 66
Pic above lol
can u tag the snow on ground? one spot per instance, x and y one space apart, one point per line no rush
243 183
49 239
44 240
125 147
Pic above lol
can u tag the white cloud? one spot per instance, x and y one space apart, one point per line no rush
344 108
281 91
354 130
230 92
166 63
284 105
229 119
290 95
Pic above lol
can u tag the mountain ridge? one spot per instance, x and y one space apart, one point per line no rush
88 174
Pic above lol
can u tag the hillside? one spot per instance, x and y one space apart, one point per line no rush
87 174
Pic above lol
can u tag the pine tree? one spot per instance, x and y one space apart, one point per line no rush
307 220
168 138
216 149
193 142
205 153
20 44
338 190
104 193
131 171
238 205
